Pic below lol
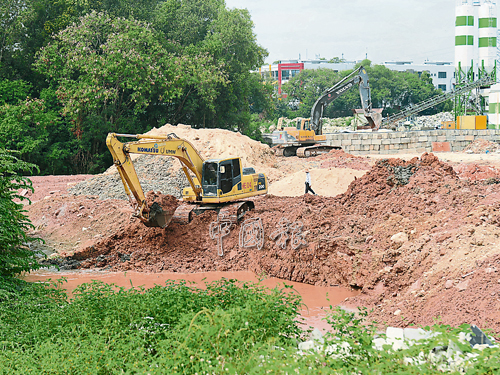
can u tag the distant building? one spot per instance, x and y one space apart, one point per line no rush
442 73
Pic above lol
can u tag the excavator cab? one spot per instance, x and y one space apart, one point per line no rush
225 180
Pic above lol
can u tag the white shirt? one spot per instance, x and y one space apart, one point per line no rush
308 178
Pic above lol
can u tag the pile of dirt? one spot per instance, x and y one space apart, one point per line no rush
477 172
416 240
325 182
220 144
68 223
481 146
46 187
341 159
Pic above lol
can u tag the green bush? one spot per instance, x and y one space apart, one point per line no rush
169 329
227 327
15 255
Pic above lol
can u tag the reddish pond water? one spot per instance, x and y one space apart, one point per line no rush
317 299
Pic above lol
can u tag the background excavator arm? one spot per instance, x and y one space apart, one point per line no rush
359 76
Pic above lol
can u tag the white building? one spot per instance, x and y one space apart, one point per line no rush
442 73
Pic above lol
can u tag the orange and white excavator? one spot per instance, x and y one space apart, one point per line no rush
215 184
306 138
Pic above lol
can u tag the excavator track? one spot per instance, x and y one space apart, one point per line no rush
233 211
285 151
307 152
183 214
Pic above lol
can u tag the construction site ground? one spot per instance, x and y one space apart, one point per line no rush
416 236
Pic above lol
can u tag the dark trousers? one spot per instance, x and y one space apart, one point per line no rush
308 189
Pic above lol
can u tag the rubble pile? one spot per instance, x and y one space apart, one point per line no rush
425 122
155 173
482 146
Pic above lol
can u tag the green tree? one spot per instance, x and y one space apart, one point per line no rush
390 90
15 255
35 129
227 36
109 71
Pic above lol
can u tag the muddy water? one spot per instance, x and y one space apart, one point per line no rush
317 299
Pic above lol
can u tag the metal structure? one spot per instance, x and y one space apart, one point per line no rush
475 53
464 41
487 41
459 90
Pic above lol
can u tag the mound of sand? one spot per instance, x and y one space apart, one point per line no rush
325 182
220 144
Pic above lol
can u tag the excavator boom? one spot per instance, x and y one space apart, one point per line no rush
212 183
360 77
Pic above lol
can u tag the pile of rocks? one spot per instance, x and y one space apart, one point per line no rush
155 173
481 146
444 354
425 122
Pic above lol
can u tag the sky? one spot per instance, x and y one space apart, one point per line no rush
382 30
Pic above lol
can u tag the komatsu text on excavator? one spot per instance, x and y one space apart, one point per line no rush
306 138
216 184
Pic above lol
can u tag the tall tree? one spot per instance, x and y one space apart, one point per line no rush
108 72
15 255
227 36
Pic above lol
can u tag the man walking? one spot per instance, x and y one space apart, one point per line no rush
308 183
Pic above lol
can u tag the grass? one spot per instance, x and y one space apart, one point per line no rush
228 328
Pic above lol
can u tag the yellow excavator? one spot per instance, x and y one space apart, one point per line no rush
215 184
306 138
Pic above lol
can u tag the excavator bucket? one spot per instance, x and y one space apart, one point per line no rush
158 217
374 119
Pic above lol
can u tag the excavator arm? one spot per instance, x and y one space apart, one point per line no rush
360 77
170 145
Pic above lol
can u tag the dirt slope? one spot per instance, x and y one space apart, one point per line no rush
419 238
444 260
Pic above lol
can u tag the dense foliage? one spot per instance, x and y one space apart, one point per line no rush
226 328
164 330
73 70
390 90
15 255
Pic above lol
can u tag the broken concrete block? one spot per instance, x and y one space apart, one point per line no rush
317 336
415 334
378 343
306 345
394 333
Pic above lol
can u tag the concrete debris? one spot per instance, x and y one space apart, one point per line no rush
155 173
482 146
445 353
425 122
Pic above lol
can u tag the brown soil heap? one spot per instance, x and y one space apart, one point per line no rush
418 241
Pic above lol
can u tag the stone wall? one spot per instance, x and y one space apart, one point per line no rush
363 143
